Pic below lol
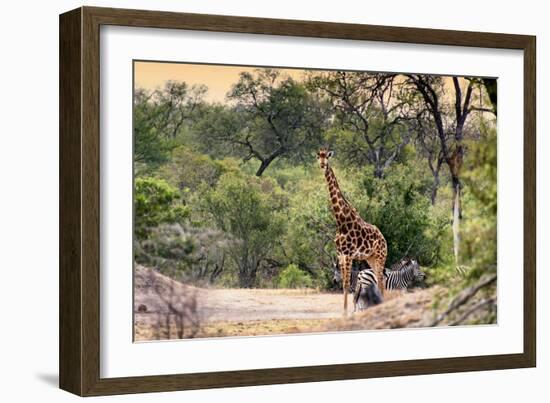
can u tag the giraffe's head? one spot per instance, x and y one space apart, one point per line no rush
323 155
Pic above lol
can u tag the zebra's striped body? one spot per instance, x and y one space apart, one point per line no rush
365 290
401 276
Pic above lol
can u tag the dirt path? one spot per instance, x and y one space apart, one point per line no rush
157 292
160 302
245 305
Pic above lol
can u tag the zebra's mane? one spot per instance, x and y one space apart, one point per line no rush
402 264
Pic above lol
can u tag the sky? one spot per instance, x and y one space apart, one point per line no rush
218 78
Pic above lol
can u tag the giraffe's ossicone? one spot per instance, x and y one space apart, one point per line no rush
355 238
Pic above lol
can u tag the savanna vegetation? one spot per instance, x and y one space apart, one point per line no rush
229 194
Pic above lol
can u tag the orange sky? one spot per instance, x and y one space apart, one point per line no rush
218 79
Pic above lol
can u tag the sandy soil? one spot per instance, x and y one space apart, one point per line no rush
168 309
157 292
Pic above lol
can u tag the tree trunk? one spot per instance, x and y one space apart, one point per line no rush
456 196
456 221
267 161
435 188
247 275
251 278
262 168
244 278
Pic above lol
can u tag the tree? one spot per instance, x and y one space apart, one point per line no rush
187 170
491 88
309 241
476 302
450 124
427 141
449 128
272 117
160 115
398 206
370 112
249 210
480 179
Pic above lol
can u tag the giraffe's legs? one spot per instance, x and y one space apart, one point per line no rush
345 269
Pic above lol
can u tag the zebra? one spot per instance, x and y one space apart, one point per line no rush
337 275
408 266
365 290
403 274
399 277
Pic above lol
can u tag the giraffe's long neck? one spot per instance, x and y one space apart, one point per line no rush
341 208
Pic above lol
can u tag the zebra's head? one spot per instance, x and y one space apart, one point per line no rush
337 277
418 274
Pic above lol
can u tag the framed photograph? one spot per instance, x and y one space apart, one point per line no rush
249 201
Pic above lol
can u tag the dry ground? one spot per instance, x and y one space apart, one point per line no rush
168 309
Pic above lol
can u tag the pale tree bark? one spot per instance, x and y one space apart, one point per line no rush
450 135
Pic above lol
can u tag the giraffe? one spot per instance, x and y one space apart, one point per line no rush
355 238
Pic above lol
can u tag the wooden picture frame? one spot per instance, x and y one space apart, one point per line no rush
79 347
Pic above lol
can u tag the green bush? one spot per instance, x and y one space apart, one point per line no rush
293 277
398 204
308 242
400 207
479 230
249 209
155 203
188 170
167 248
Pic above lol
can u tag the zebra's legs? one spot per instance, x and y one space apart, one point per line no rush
345 269
356 295
377 264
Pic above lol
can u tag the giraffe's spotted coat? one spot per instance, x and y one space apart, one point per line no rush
355 239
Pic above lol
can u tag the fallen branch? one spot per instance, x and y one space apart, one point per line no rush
476 307
464 297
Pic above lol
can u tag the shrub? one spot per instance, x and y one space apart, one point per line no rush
187 170
155 203
167 248
249 210
293 277
308 242
398 205
479 232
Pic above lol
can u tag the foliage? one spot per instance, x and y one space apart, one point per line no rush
398 205
160 116
166 248
193 254
249 209
308 242
150 146
230 194
292 277
188 170
371 124
270 117
155 203
479 233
